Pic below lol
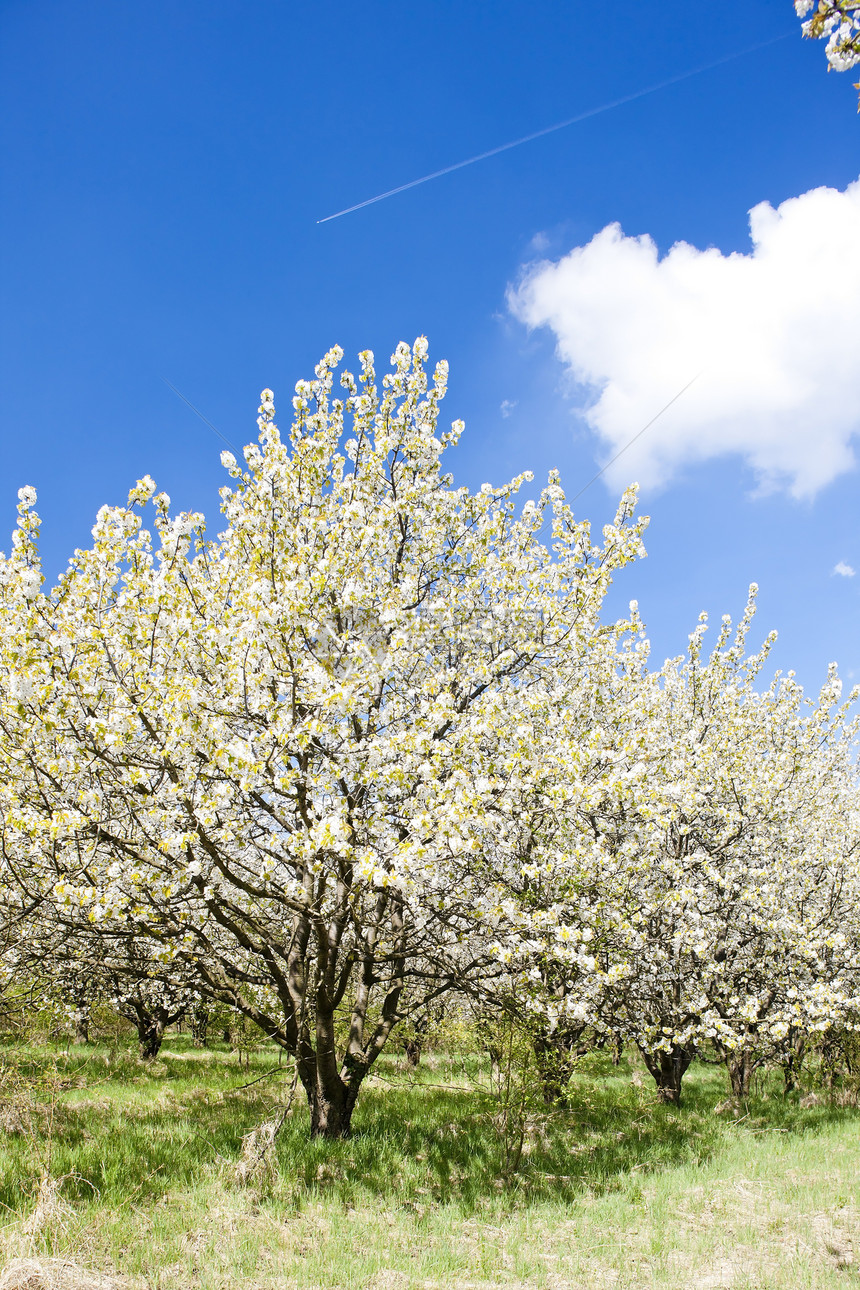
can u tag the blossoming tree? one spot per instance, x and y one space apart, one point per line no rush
258 749
692 876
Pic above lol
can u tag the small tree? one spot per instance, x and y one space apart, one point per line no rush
686 870
742 874
150 993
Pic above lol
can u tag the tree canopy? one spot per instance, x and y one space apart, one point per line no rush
376 741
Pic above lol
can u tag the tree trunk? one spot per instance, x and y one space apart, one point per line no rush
150 1034
740 1073
414 1044
667 1069
557 1055
795 1050
82 1025
555 1068
331 1101
740 1067
331 1113
200 1025
331 1087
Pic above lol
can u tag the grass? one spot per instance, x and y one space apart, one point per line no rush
616 1191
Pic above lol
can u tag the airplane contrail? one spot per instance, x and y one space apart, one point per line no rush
560 125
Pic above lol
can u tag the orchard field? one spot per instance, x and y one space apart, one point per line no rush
380 908
538 964
162 1179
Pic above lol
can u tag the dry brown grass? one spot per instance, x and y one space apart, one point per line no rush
51 1210
54 1274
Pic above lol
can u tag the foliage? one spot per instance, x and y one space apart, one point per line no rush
837 22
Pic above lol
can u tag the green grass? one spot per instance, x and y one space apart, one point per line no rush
615 1191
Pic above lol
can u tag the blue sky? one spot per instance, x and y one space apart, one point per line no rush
165 167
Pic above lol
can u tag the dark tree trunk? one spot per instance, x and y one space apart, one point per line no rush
412 1048
554 1068
794 1051
331 1113
309 1027
667 1070
741 1068
82 1025
557 1055
331 1100
200 1025
415 1043
150 1033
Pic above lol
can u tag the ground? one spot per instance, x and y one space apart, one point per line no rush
163 1188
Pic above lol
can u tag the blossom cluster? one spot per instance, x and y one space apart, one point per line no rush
837 22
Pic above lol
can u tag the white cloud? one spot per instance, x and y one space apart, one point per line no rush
844 570
775 335
507 406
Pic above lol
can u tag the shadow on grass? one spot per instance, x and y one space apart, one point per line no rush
419 1145
133 1133
119 1129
